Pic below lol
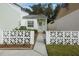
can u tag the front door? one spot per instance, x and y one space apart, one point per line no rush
40 28
40 25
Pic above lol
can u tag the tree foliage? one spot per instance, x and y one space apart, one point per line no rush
45 9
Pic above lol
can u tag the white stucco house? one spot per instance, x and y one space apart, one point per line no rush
38 22
13 16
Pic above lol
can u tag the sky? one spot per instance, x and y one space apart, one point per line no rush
26 5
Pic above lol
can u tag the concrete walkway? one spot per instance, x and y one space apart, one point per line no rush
39 49
18 53
40 45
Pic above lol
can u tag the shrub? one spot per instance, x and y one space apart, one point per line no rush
23 28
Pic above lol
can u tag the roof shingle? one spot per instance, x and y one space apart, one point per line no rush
35 17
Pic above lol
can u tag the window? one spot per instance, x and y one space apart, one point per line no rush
30 23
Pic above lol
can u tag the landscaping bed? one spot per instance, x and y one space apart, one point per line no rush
63 50
16 46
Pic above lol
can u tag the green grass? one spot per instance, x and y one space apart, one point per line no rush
63 50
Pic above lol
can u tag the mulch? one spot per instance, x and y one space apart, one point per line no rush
16 46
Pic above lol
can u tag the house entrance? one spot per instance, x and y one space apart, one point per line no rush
41 24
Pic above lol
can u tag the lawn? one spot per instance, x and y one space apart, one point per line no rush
63 50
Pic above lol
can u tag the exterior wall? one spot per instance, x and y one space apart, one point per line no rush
62 37
43 27
11 35
1 35
24 23
47 37
63 11
69 22
18 9
36 24
8 17
23 13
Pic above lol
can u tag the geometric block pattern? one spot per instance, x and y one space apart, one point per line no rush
16 37
64 37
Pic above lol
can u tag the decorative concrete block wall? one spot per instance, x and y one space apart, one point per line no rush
17 37
62 37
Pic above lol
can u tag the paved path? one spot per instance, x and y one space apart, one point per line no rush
40 45
18 53
39 49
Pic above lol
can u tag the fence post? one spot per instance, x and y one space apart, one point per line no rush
47 37
78 38
1 36
32 37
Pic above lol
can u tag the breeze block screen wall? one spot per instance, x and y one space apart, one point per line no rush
62 37
15 39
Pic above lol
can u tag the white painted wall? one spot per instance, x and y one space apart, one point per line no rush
52 38
47 37
18 9
69 22
1 36
24 23
31 37
10 16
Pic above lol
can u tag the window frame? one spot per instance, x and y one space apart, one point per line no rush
30 23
